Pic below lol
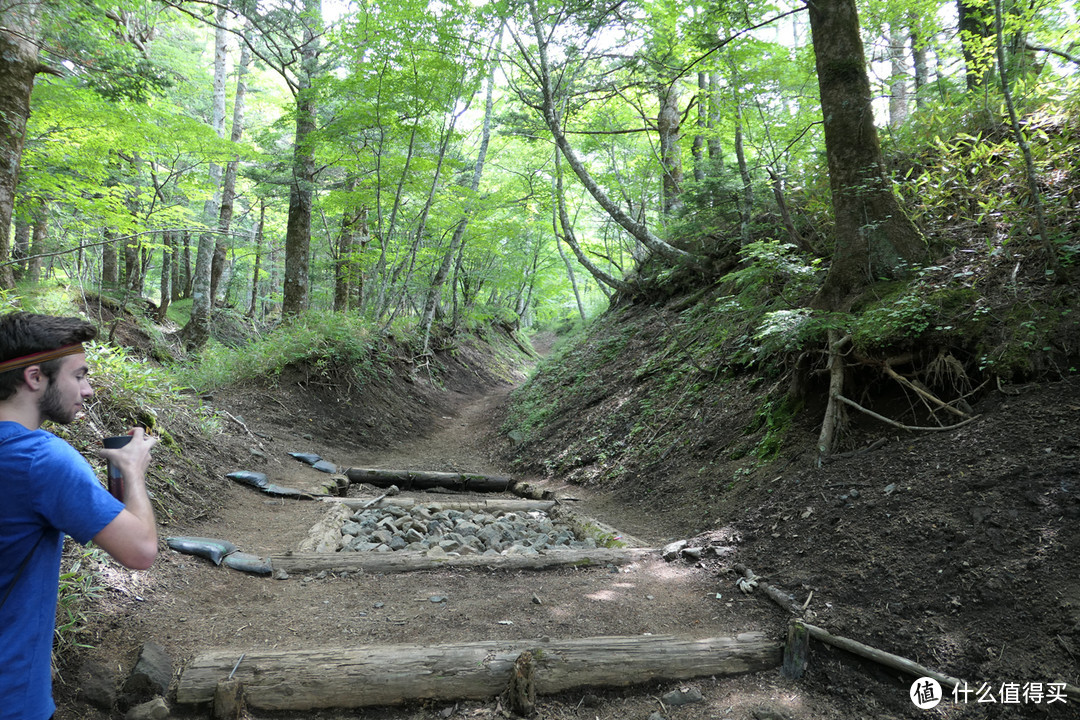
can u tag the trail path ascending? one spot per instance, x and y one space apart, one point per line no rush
189 606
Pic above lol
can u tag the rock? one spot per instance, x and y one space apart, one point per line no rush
655 715
97 685
281 575
693 553
150 676
155 709
682 696
672 550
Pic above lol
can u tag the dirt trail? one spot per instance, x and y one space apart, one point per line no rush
189 606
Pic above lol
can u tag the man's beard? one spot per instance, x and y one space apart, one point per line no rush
52 407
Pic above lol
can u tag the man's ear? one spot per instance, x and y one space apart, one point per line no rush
34 378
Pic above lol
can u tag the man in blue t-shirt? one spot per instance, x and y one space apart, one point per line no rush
47 490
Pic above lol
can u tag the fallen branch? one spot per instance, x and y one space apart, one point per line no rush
394 674
894 423
895 662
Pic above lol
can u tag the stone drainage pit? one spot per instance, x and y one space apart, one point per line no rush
452 529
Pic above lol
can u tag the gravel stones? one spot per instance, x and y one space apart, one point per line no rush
442 532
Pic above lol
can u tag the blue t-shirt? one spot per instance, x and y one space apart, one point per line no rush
47 489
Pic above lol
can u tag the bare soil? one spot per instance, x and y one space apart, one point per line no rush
968 564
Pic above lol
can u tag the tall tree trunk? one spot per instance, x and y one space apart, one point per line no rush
19 28
21 248
253 307
570 274
976 41
746 201
344 266
197 330
918 60
228 186
435 291
168 250
668 126
37 241
302 189
716 150
698 148
187 265
110 268
898 89
567 235
873 235
637 229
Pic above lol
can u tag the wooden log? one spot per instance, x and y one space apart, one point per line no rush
394 674
489 505
424 480
388 563
796 651
325 535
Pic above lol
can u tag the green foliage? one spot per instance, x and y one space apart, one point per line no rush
80 589
898 320
325 342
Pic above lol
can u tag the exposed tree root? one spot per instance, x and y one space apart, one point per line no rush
894 423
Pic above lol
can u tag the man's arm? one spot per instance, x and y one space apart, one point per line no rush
131 538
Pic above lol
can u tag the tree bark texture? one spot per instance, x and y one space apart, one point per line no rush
301 191
18 65
228 185
873 235
394 674
668 126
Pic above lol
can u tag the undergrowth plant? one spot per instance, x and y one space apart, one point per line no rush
80 588
322 340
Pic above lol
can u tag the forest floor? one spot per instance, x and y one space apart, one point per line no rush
882 564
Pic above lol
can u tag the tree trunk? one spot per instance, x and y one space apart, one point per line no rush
898 92
976 41
637 229
110 268
746 201
918 61
668 126
568 234
302 189
435 290
344 266
228 186
873 235
18 65
716 150
258 260
37 241
698 148
197 330
394 674
167 252
21 247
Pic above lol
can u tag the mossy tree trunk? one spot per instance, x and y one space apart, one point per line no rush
873 235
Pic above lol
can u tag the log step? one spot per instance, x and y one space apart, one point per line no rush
394 674
404 561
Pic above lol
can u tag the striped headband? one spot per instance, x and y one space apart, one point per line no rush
40 357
